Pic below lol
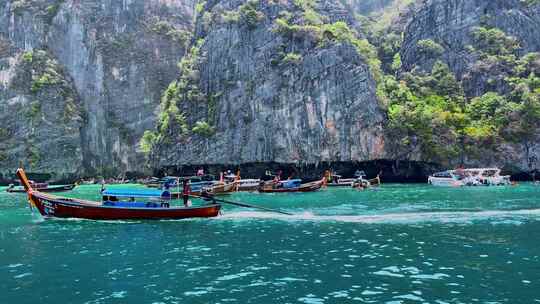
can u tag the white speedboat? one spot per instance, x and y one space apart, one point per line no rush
469 177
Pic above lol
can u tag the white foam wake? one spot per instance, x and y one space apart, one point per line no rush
406 218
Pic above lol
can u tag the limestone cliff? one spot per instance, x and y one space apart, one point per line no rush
450 24
272 81
236 81
110 61
492 47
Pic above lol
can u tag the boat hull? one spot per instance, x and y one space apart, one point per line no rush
445 182
222 188
49 206
310 187
48 189
52 206
248 185
248 188
347 184
366 183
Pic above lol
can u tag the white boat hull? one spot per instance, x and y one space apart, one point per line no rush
469 177
445 182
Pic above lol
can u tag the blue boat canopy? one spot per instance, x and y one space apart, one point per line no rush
292 183
143 193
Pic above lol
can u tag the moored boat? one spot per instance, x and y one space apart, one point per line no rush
221 188
294 185
42 187
242 185
248 184
469 177
362 183
335 180
197 182
139 205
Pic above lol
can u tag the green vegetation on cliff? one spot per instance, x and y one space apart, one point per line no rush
204 129
172 123
168 30
311 25
430 114
40 75
437 110
430 48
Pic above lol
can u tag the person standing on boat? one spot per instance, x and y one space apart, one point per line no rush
186 191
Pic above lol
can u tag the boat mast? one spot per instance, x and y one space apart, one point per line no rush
24 180
27 186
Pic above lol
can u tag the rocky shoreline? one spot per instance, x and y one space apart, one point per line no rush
391 171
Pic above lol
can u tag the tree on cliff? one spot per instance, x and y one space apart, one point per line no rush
524 125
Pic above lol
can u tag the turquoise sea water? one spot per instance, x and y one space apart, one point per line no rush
400 244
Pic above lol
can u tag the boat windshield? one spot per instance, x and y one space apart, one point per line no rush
445 174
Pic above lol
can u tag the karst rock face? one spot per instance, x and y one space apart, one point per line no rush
450 23
368 7
275 96
80 81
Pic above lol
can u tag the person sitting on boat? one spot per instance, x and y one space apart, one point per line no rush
200 172
276 181
460 172
277 178
186 191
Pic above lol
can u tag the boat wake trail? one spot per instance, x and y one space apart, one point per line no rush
392 218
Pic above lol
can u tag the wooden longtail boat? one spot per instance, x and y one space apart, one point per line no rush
277 187
243 185
221 188
359 182
337 181
211 190
366 183
47 188
53 206
175 181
